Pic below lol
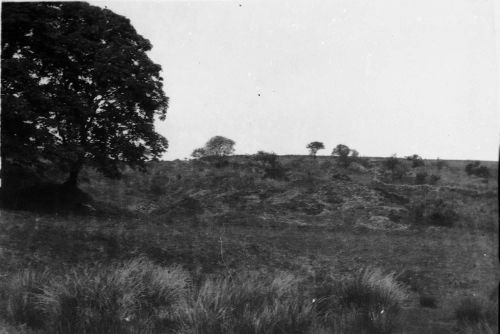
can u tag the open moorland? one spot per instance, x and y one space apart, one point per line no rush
246 244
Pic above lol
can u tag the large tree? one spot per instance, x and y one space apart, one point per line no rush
78 88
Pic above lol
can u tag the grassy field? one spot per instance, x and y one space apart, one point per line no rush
323 249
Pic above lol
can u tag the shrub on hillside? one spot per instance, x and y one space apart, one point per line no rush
266 158
345 155
440 164
475 168
363 161
434 179
215 151
434 212
158 184
391 163
272 167
421 177
416 161
395 166
424 178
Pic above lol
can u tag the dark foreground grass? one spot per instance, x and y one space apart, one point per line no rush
134 297
70 258
141 297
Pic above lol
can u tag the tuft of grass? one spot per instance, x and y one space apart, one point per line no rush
369 302
20 295
376 298
134 297
428 301
478 328
476 311
248 303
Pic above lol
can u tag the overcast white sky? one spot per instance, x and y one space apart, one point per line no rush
383 77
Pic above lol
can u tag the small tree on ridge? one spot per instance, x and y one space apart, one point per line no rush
344 154
314 147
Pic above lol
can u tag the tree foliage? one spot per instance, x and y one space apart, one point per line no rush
395 166
314 147
345 155
416 160
272 167
217 146
392 162
78 88
475 168
198 153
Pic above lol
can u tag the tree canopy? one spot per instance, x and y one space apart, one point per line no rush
314 147
416 160
344 154
78 88
217 146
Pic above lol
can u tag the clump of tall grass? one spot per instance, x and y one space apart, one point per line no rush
478 328
135 297
369 302
20 295
141 297
248 303
476 311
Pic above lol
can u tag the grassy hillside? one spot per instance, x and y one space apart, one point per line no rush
319 249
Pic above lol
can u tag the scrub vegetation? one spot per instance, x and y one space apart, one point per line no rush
195 247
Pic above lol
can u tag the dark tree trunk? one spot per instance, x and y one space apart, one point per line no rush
72 180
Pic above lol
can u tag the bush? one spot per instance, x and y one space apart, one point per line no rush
434 179
475 168
421 178
158 184
363 161
266 158
440 164
272 167
416 161
345 155
391 163
434 212
424 178
394 165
